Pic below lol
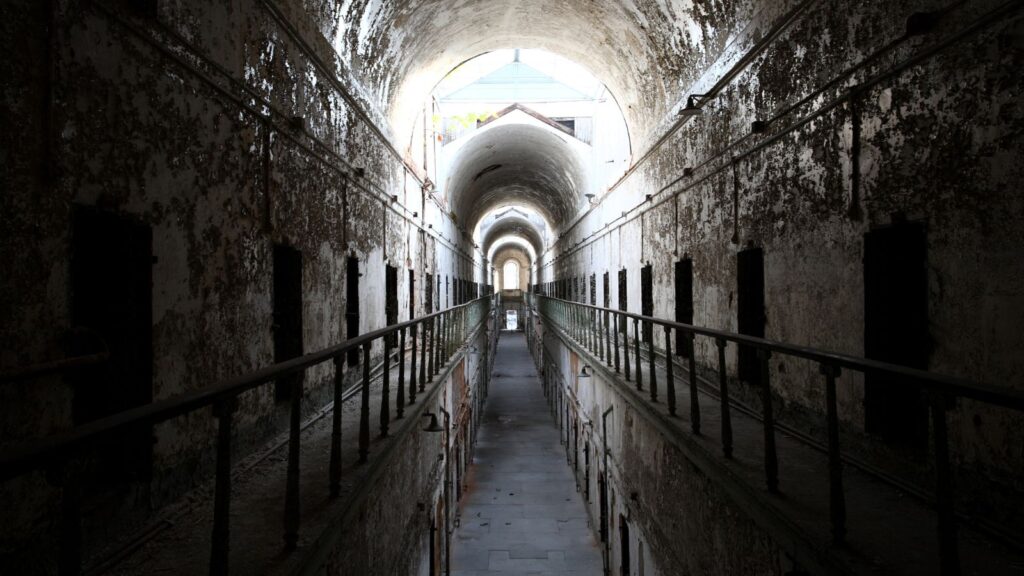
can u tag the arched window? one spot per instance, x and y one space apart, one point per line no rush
510 273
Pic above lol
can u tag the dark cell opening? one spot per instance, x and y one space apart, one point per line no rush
428 294
607 290
112 310
647 299
412 294
602 506
623 298
750 313
593 289
896 330
287 314
352 305
391 303
684 304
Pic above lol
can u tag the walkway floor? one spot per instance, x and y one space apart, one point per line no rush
521 513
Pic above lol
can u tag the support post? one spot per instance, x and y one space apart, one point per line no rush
723 393
335 466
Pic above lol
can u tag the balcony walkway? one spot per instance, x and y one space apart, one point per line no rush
521 513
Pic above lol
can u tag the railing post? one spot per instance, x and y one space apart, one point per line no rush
412 366
650 360
670 385
442 341
639 360
607 337
585 326
694 399
625 346
335 466
837 499
428 330
385 390
723 393
291 500
400 401
595 345
608 321
771 462
364 408
435 345
449 323
601 334
949 553
446 350
219 553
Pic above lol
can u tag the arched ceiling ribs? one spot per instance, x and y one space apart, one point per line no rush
511 241
513 223
646 53
517 164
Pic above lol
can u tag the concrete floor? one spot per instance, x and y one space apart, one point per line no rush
521 513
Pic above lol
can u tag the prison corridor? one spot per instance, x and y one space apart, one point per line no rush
521 512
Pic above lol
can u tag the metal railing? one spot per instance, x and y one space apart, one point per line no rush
599 330
433 340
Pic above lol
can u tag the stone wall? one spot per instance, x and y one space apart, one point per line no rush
861 123
680 520
226 129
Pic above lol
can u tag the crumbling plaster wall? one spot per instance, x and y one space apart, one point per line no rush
940 124
388 531
224 128
686 522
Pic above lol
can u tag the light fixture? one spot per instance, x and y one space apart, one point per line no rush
583 372
590 197
693 105
433 426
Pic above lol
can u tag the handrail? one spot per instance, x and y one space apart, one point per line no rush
598 330
20 459
44 368
1008 397
436 344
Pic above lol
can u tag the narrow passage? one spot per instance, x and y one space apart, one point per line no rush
521 513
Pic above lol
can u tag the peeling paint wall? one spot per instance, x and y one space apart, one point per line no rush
679 518
938 119
227 128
